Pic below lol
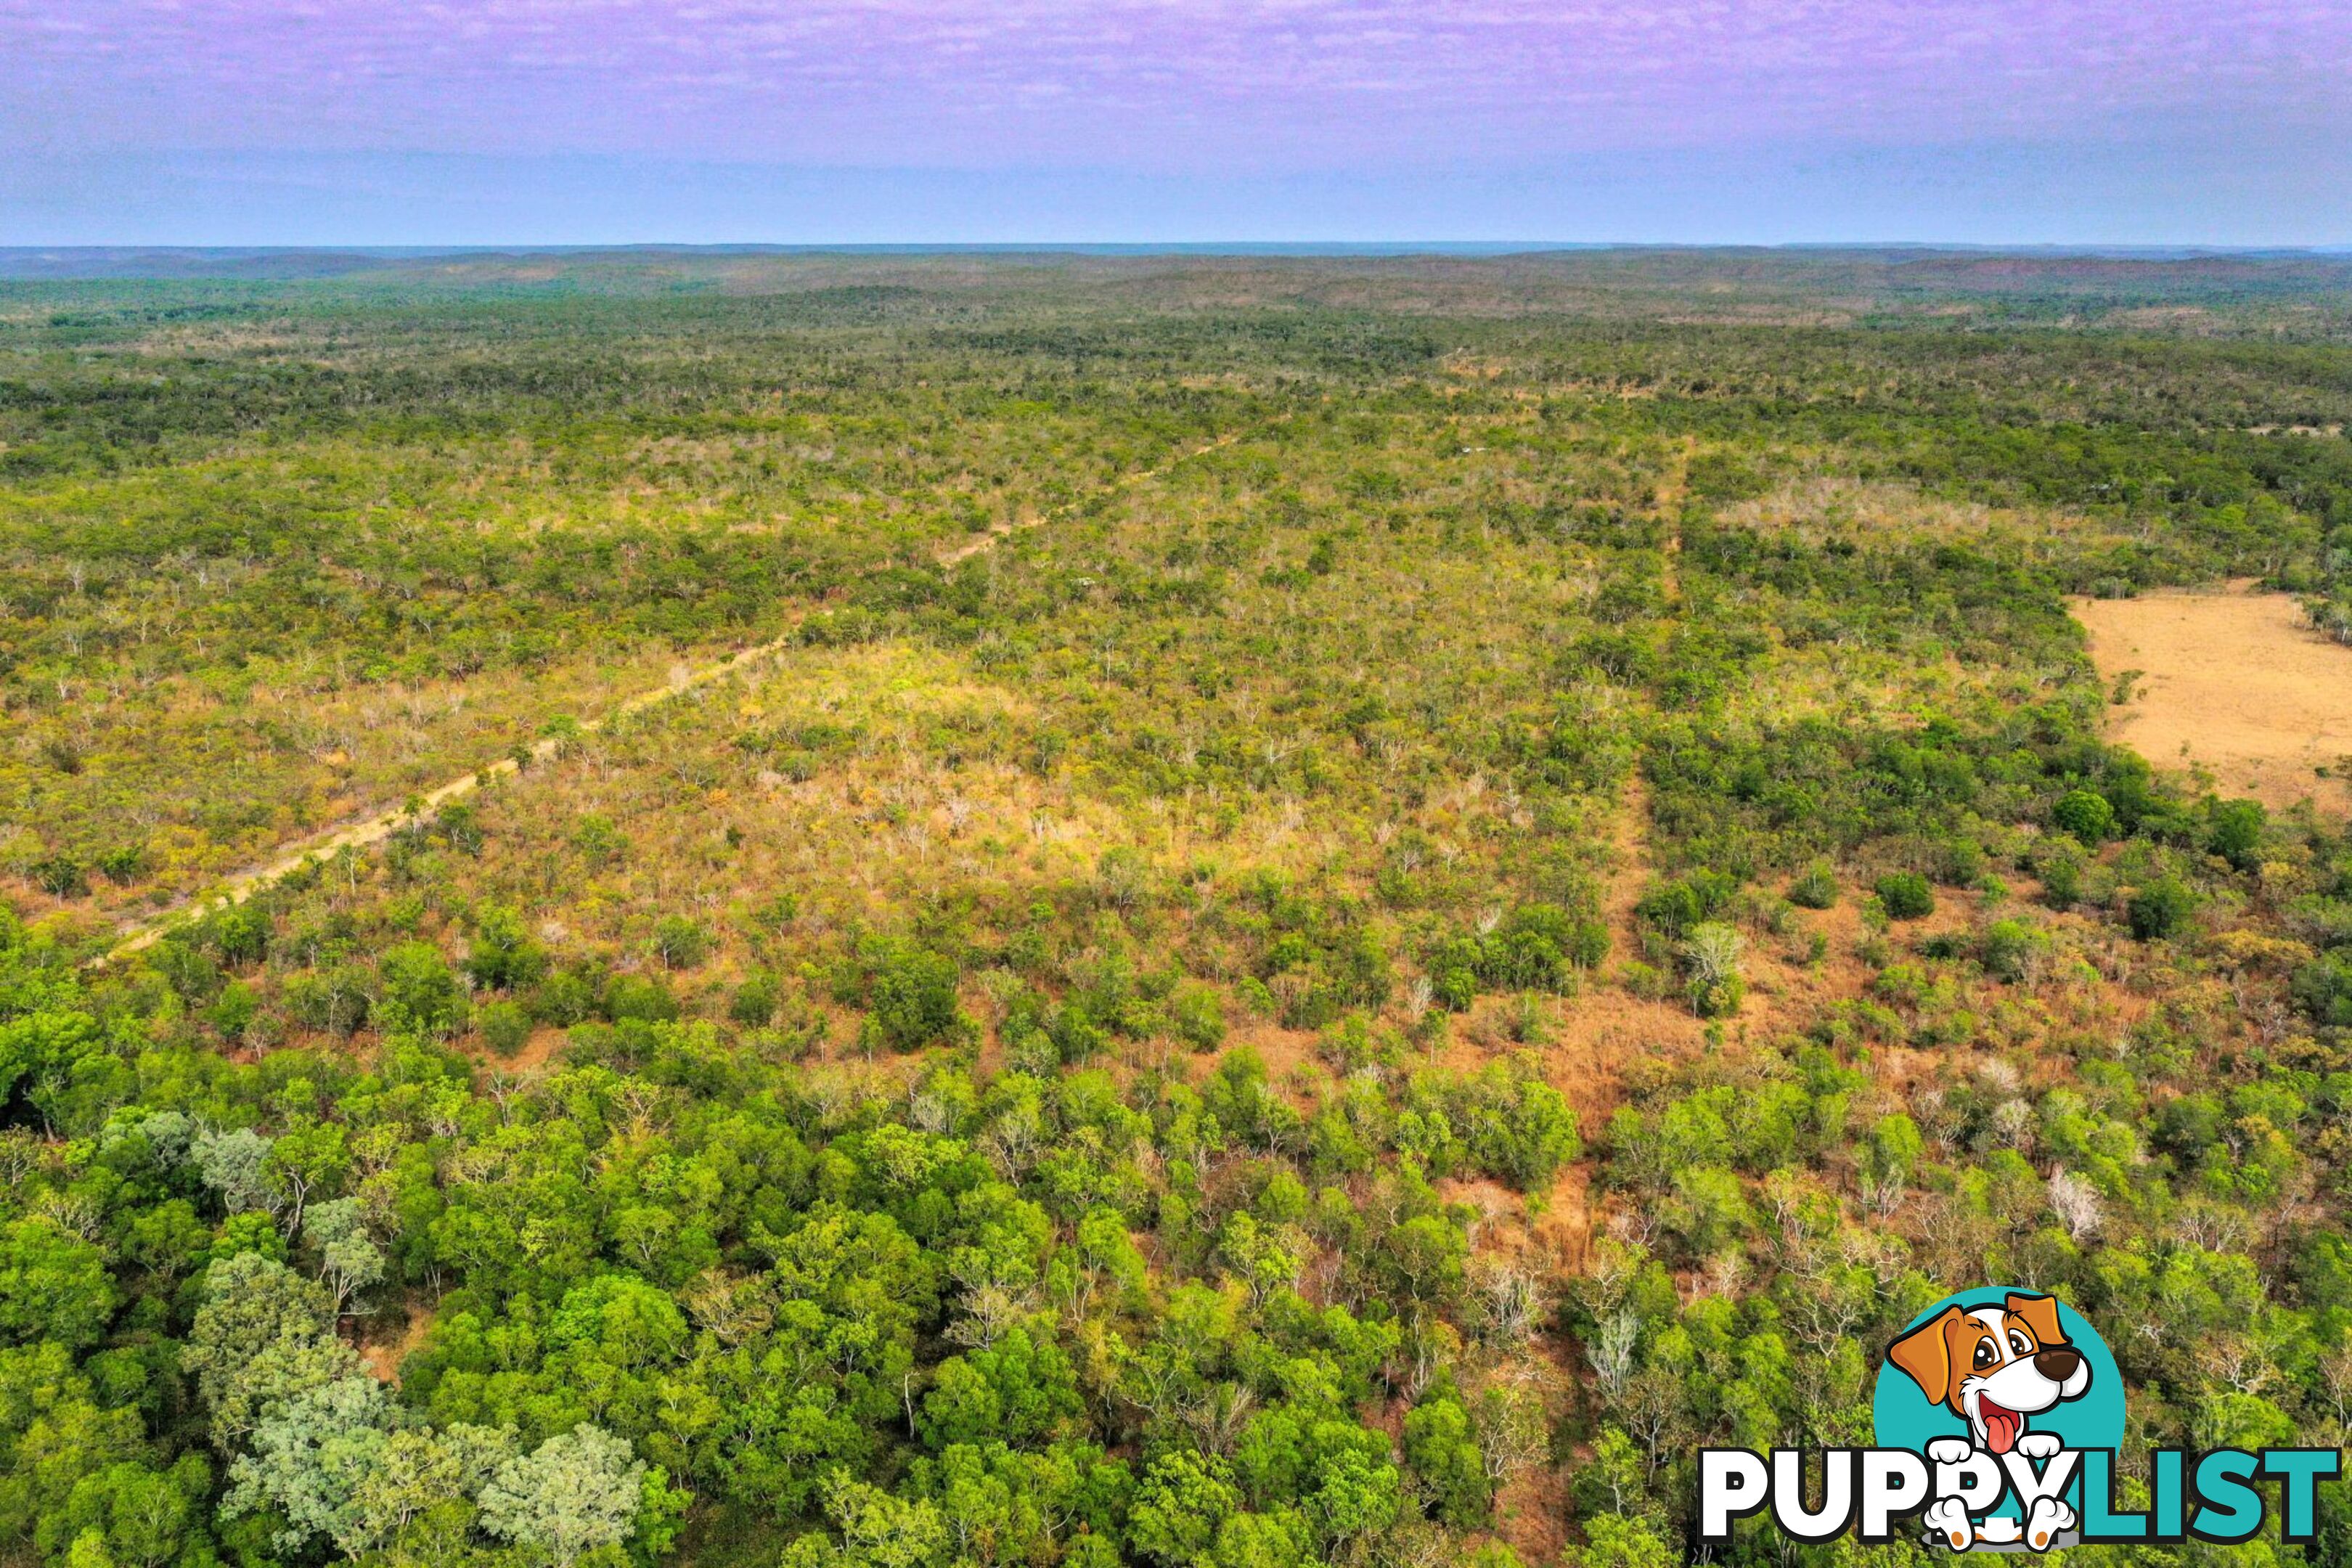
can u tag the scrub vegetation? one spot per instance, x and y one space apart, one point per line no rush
1346 907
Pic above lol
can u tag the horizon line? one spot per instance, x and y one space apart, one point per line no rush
2135 250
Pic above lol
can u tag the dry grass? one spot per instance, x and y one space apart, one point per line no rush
1834 506
2233 682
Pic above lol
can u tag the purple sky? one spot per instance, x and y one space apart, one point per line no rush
2248 105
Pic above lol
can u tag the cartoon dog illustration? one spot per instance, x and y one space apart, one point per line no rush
1995 1367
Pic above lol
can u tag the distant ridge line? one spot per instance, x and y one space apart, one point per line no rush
65 263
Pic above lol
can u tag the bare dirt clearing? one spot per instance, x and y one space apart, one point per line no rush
2232 682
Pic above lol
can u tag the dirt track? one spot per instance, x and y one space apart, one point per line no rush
2233 681
242 885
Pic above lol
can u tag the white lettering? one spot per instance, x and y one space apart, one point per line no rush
1893 1481
1965 1472
2032 1488
1789 1493
1732 1484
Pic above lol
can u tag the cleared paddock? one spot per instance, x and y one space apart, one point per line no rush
2232 682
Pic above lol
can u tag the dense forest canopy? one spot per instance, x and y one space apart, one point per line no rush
1212 912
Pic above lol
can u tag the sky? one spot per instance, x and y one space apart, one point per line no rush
536 121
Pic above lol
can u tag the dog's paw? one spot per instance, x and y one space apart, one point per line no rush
1948 1450
2040 1444
1948 1522
2049 1517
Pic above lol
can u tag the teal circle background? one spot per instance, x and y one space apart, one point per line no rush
1903 1419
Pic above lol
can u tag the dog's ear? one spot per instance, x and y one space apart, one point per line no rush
1925 1355
2040 1315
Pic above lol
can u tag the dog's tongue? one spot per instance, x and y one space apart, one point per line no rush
2001 1425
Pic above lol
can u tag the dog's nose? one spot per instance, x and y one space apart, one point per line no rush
2058 1362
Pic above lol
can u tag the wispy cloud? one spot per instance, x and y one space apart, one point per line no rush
1160 85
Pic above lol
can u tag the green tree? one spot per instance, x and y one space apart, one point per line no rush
419 980
2237 832
348 1261
1197 1013
263 1335
909 992
2160 910
54 1286
575 1492
1441 1446
1612 1541
2086 815
1181 1500
235 1165
415 1473
503 956
310 1452
1906 895
681 942
136 1515
505 1026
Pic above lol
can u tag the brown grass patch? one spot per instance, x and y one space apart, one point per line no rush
383 1356
2233 682
1830 506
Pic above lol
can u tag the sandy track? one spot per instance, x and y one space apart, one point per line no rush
2232 682
242 885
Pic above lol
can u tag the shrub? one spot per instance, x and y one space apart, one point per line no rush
1197 1013
909 992
1815 887
2161 908
1674 906
681 942
1906 895
562 998
2059 863
753 1004
597 839
2086 815
2013 951
1351 1048
640 996
2323 988
1710 957
337 1000
1961 864
61 877
2237 832
1455 988
418 980
504 1027
777 913
122 865
502 955
1644 980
